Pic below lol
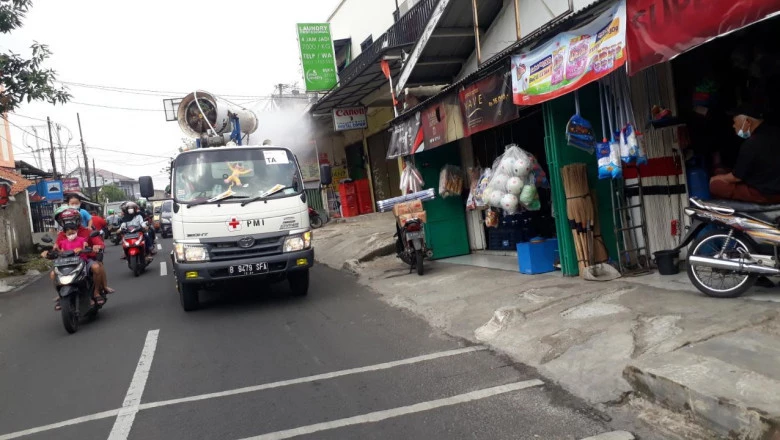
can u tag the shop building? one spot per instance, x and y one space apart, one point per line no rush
670 107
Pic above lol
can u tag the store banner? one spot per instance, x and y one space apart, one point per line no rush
406 138
349 118
71 184
487 103
659 30
571 59
317 57
442 122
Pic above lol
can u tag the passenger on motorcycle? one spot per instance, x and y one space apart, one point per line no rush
132 217
113 219
75 237
148 217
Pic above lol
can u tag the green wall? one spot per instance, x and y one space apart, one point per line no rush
559 154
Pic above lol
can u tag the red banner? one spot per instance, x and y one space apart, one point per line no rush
658 30
487 103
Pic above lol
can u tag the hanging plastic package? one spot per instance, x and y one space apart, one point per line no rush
579 132
514 185
491 218
621 121
482 185
528 195
602 148
450 181
509 203
634 138
411 180
614 147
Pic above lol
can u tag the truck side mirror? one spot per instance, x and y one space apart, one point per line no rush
147 186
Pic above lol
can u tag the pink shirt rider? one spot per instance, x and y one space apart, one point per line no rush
78 243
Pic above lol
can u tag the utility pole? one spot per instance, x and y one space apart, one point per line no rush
38 159
63 158
94 177
51 151
83 149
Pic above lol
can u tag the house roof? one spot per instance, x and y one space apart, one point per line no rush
107 175
18 183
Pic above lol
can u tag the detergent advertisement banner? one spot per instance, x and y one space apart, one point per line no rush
571 59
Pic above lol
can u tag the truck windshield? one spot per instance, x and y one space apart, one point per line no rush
221 174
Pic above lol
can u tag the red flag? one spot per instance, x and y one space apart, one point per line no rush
385 68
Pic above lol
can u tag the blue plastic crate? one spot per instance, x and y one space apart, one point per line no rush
537 256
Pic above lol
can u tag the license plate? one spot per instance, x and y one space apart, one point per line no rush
413 235
248 269
66 261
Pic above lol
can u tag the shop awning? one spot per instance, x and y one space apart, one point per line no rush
659 30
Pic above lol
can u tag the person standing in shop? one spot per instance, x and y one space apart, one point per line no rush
756 174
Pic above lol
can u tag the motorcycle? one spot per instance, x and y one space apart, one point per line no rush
134 246
314 218
74 286
742 245
114 235
410 244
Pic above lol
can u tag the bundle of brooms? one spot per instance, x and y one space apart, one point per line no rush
583 218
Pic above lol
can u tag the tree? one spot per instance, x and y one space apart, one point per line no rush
113 193
25 79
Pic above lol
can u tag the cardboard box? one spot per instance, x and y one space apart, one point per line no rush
420 215
407 207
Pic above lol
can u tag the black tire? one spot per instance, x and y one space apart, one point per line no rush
738 290
70 316
418 261
315 222
299 282
188 295
135 265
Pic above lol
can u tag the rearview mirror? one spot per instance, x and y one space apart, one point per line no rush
147 186
46 239
96 233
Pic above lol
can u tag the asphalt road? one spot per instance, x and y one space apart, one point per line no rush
337 364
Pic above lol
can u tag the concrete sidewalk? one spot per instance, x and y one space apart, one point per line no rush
618 344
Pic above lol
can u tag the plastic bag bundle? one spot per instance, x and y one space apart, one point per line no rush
411 180
514 174
450 181
479 189
474 175
579 134
641 154
491 218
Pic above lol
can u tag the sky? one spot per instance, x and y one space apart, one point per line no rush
231 47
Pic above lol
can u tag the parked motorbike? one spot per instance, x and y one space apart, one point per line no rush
74 285
741 246
134 246
410 244
315 220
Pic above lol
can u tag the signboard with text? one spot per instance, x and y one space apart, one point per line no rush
71 184
442 122
350 118
659 30
317 57
487 103
571 59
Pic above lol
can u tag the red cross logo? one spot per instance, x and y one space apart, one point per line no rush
233 224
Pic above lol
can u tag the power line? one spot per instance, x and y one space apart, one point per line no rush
117 108
149 92
130 152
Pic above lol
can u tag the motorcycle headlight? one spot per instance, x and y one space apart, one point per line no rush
191 252
72 273
297 242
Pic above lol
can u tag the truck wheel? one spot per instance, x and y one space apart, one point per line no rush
299 282
188 294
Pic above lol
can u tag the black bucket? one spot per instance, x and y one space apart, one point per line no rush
668 262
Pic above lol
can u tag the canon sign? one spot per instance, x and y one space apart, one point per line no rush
349 118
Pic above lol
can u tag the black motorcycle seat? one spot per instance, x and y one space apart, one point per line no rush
745 207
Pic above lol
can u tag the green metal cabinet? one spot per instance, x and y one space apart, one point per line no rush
445 230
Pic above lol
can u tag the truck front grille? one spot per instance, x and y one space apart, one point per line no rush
231 251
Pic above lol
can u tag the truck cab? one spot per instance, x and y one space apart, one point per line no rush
239 212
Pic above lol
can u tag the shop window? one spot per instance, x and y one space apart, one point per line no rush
366 43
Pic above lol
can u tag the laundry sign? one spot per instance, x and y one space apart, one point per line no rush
349 118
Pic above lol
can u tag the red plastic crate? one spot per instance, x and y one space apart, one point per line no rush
365 205
349 200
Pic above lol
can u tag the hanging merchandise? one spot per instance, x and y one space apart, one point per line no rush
528 195
516 173
614 147
579 132
478 184
603 149
450 181
424 195
411 179
514 185
509 203
634 138
491 218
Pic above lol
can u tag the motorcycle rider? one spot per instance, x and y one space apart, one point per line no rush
99 223
113 219
69 220
132 217
148 216
75 203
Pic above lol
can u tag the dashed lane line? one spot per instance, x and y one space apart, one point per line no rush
378 416
124 420
159 246
163 269
251 389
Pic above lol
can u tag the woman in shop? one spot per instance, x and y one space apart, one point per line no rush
756 175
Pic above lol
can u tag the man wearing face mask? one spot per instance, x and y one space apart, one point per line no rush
132 217
756 175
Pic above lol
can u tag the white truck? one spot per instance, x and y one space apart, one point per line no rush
239 212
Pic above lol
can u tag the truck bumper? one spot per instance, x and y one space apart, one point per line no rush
278 267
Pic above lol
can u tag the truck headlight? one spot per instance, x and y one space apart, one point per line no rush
297 242
191 252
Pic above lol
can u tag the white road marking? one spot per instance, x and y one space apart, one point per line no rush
163 269
614 435
126 416
335 374
159 246
378 416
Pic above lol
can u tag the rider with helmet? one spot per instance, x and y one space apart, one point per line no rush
132 217
148 216
69 220
113 219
